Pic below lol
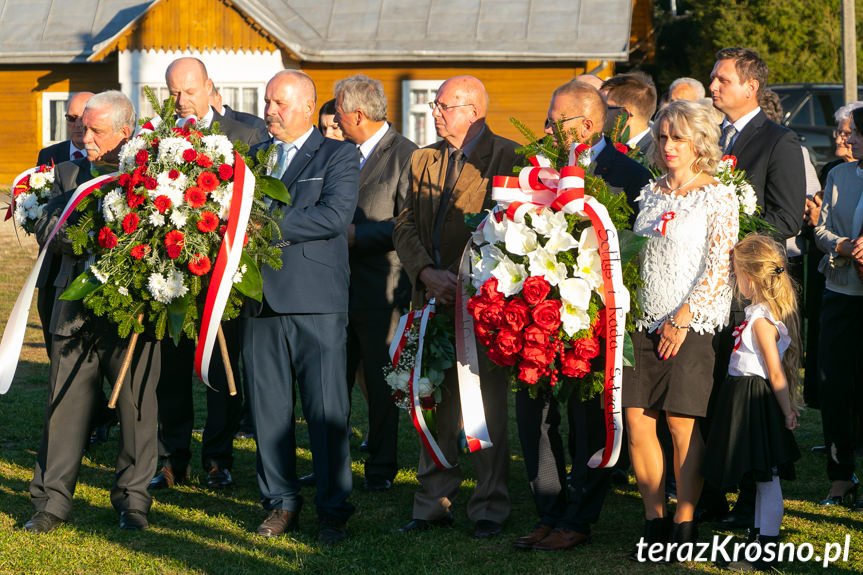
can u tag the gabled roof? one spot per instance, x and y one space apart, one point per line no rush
66 31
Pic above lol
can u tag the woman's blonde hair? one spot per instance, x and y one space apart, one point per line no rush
691 121
763 262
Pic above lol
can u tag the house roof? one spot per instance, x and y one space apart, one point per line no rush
33 31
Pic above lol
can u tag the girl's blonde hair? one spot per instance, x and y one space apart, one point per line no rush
762 261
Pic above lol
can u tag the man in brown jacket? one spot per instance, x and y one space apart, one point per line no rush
449 179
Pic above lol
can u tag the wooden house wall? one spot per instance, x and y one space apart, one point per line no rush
522 91
21 89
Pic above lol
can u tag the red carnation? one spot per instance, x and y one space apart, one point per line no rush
199 265
154 143
203 160
138 175
173 174
134 200
140 251
222 229
208 221
493 313
586 348
107 239
150 183
130 223
731 158
141 157
195 197
225 172
189 155
622 148
517 314
529 372
489 289
546 315
125 181
162 203
208 181
508 342
574 366
174 243
535 289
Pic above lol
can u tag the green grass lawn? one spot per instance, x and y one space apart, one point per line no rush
194 530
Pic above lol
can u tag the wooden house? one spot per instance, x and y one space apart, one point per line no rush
520 49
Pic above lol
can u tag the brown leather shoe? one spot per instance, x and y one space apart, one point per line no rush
532 538
561 538
168 477
279 522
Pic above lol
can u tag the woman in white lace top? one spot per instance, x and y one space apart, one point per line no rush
691 221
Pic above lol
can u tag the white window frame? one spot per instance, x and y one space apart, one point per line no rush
410 109
47 98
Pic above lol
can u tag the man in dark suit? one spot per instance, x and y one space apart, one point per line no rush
215 99
449 179
379 289
298 333
634 93
189 84
568 506
86 348
770 155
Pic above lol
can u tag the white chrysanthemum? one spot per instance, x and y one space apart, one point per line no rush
400 381
49 176
573 319
176 287
238 275
483 263
510 276
20 213
38 181
179 218
171 150
587 240
541 262
725 165
166 289
575 292
35 212
173 189
222 196
748 199
114 206
176 195
98 274
589 266
546 221
156 219
560 241
520 239
219 147
122 291
128 152
27 200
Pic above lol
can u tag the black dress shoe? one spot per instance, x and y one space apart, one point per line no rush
485 529
331 530
168 477
426 524
377 484
307 480
279 522
738 518
42 522
218 478
133 520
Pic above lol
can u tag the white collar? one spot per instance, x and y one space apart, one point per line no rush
742 121
367 147
633 141
298 143
73 148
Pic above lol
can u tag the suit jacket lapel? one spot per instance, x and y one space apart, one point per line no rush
748 133
373 163
302 158
435 174
471 177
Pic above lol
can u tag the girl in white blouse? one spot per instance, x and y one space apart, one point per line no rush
691 223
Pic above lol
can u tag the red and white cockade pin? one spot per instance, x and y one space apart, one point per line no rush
666 217
738 331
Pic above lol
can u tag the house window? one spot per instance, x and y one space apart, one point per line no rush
417 120
240 98
54 117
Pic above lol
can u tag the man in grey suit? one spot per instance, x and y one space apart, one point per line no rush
190 85
86 348
379 287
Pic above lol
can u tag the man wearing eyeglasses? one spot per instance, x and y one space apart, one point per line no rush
449 179
568 505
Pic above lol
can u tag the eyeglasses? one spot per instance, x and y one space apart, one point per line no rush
70 118
549 123
843 134
443 107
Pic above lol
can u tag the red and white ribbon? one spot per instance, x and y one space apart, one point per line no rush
396 347
540 186
13 334
227 262
663 222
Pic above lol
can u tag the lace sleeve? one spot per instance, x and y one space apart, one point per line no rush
710 299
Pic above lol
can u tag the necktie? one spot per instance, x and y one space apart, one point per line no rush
77 155
727 138
361 156
282 160
454 168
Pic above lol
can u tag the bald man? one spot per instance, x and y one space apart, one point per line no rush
590 79
298 333
449 179
568 505
686 89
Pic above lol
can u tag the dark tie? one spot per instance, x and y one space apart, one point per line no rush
453 171
727 138
77 155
